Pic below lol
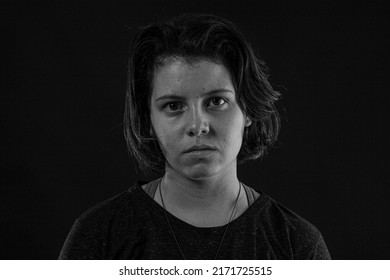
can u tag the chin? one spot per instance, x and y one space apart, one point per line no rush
200 172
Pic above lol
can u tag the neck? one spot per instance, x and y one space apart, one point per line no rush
195 193
200 202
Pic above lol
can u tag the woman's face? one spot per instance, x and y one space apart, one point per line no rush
196 118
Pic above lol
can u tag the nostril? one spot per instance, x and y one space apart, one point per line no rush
198 131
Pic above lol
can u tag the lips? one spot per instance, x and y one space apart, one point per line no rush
196 148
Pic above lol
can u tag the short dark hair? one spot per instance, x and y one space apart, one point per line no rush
192 36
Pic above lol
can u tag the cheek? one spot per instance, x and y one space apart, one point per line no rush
231 136
167 139
234 126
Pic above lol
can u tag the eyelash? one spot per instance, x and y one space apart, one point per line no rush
166 106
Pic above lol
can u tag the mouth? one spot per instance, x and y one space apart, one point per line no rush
199 148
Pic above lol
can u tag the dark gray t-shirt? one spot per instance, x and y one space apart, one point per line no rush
132 225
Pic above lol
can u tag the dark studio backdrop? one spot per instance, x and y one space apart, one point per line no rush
62 101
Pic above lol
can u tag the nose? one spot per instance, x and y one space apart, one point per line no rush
198 123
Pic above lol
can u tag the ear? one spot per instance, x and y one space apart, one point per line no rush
248 121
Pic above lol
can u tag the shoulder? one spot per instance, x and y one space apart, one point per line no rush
110 207
90 230
127 204
302 237
286 217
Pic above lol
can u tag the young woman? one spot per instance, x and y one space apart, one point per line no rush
198 102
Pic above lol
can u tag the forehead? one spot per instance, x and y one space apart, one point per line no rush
181 77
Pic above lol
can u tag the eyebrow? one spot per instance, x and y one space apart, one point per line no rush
179 97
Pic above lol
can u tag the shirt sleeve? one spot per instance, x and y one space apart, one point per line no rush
320 250
80 245
311 247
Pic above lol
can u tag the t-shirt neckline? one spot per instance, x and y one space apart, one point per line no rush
159 210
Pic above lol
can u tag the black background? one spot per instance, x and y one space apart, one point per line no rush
62 101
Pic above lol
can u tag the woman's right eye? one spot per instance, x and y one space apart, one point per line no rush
172 106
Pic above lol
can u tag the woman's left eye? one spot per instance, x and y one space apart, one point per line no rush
217 101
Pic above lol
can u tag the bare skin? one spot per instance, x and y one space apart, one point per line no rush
191 105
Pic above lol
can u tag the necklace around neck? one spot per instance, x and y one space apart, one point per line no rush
173 232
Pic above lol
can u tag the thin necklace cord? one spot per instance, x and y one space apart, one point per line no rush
224 233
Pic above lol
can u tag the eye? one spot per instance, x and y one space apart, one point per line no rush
216 101
173 107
